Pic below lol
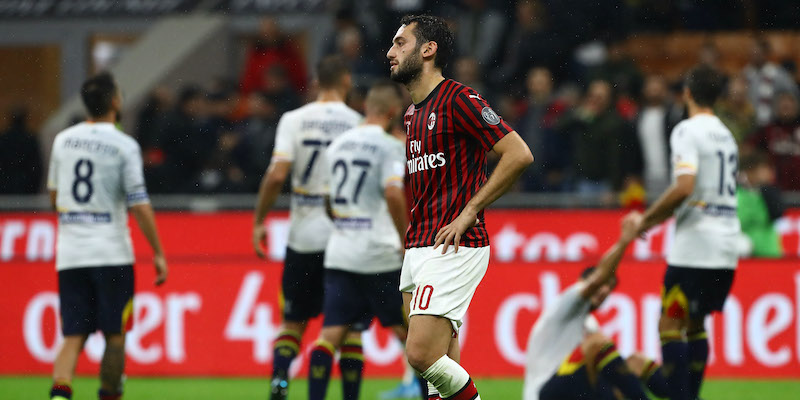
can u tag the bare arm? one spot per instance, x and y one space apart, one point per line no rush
515 156
269 190
665 206
396 203
607 266
146 219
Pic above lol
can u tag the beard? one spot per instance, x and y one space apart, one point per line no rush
405 73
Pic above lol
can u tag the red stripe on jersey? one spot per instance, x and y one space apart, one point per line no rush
448 135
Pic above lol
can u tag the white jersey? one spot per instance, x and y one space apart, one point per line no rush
706 225
361 164
557 332
96 171
302 136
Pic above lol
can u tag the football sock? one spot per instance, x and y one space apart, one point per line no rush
60 391
286 347
106 395
451 380
319 370
433 394
613 368
675 356
653 377
423 387
351 365
698 356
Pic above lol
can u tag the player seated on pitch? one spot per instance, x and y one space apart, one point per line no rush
566 330
95 178
367 204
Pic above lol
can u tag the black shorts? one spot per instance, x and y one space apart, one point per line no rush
95 298
354 299
694 292
576 386
302 285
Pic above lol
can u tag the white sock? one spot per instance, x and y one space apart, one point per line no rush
446 376
432 390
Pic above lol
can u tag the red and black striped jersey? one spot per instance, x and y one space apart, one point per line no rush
448 136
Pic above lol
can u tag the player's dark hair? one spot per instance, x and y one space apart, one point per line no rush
330 71
433 29
705 84
97 93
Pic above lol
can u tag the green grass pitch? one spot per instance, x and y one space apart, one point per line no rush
138 388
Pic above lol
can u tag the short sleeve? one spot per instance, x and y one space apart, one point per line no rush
133 177
52 170
685 158
473 116
393 167
284 143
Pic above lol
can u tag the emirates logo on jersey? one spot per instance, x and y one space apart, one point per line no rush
423 162
431 121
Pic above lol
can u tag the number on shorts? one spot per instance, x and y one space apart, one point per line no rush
419 296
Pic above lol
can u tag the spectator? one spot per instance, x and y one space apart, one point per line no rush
760 205
535 127
148 122
186 144
654 125
764 80
781 141
531 43
279 89
272 48
604 148
468 72
479 28
365 69
735 110
258 135
709 55
20 157
623 74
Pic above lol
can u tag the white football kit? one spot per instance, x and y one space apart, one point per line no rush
557 332
361 163
302 137
96 171
706 224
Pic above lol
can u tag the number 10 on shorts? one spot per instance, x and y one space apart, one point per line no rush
422 299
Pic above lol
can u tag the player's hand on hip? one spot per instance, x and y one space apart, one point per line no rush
451 233
260 240
161 269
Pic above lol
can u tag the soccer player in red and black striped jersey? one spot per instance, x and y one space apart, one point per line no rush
450 128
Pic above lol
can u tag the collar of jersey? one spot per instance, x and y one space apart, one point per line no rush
430 95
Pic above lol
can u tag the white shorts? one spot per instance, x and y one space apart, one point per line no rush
443 284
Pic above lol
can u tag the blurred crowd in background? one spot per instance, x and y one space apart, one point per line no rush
557 71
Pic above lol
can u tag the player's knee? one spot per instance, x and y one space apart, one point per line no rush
636 363
593 344
115 341
666 324
418 358
335 335
695 327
